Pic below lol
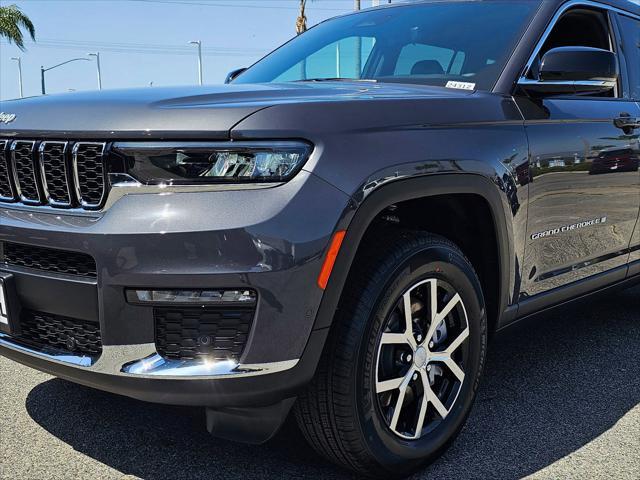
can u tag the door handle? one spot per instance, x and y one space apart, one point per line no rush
627 123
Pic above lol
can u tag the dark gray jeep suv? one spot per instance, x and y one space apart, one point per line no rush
339 230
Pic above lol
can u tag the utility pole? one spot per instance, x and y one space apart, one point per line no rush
199 44
97 55
19 60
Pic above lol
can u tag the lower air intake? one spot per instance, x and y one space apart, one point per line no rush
202 333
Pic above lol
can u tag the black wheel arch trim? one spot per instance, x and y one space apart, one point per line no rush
359 217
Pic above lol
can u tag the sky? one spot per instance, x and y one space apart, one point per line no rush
144 41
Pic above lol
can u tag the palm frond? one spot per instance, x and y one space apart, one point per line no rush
12 22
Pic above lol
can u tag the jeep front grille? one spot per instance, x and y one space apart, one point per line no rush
6 189
58 174
55 173
24 171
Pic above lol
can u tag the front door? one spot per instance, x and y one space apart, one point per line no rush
584 169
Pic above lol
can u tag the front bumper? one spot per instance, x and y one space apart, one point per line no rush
242 386
270 240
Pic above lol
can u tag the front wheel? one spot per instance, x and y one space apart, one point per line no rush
402 364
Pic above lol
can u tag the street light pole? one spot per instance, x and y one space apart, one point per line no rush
97 55
199 44
19 60
43 70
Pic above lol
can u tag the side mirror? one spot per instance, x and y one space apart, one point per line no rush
234 74
574 70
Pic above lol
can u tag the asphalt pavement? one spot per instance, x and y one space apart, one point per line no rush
560 400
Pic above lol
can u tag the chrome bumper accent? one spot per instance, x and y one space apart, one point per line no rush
142 361
155 366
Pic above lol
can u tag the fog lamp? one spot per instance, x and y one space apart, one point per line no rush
193 297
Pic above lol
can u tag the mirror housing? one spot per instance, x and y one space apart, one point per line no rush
574 70
232 75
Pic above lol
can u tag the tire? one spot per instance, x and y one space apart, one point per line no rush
346 413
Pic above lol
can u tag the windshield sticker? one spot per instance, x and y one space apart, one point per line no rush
461 85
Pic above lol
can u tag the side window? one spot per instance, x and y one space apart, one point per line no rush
631 44
577 28
580 28
336 60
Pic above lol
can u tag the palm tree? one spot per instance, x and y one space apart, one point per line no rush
12 21
301 21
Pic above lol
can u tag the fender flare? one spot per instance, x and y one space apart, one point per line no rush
356 221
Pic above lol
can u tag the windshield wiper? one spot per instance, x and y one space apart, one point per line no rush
337 79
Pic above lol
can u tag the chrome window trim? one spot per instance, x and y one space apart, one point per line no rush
143 361
5 157
591 83
561 11
43 174
76 176
16 180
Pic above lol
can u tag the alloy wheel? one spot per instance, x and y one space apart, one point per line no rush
420 361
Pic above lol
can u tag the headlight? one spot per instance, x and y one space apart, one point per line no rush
203 162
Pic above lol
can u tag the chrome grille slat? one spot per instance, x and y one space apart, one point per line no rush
55 175
7 192
24 171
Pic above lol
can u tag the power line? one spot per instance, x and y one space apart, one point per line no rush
142 45
214 3
227 5
143 48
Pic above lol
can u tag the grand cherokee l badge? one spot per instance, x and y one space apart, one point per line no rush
569 228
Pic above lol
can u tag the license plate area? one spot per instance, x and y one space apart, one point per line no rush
9 305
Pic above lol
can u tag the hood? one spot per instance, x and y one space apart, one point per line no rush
178 112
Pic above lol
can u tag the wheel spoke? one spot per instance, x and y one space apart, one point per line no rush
447 310
422 414
388 385
399 403
455 369
394 339
408 319
433 296
446 358
435 401
458 341
439 317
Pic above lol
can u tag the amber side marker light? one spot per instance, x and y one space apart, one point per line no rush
330 260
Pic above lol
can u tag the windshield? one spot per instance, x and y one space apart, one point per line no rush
462 44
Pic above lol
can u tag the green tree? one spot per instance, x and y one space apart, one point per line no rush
12 22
